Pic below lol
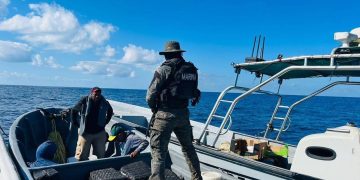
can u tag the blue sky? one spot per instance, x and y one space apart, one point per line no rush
115 43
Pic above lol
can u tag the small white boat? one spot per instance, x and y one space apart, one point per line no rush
7 166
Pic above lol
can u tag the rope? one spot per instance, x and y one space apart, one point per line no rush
288 125
60 155
3 132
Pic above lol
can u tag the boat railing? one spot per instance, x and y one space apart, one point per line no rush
227 117
274 116
290 108
256 89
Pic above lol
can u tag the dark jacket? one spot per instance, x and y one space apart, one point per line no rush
84 106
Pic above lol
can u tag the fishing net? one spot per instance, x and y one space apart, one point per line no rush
60 155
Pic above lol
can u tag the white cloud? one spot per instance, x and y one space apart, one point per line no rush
44 18
109 51
137 55
3 6
37 60
57 28
6 74
134 56
103 68
14 52
97 32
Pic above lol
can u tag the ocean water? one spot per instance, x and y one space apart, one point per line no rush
250 116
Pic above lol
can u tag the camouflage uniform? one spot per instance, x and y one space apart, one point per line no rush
168 120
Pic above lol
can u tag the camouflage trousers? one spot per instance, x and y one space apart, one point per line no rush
166 122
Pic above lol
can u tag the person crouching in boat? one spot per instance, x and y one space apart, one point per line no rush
124 142
95 112
45 154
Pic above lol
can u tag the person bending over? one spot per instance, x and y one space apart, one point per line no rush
124 142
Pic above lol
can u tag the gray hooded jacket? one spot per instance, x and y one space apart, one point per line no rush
84 107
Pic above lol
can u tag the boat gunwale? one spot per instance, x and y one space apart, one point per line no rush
243 161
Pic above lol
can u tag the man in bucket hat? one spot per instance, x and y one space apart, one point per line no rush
174 84
125 142
95 112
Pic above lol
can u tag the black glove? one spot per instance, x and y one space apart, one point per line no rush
196 100
74 117
154 110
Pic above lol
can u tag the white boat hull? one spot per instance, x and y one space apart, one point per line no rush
7 167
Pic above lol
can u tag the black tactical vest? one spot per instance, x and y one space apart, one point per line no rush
181 85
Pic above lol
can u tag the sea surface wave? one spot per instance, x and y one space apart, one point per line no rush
250 116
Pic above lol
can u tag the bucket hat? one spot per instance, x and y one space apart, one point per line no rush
171 46
115 130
